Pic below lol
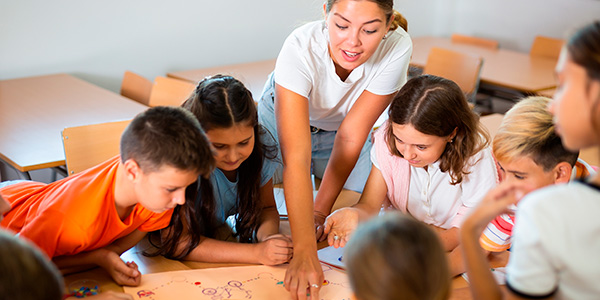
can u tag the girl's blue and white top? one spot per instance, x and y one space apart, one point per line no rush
225 191
304 66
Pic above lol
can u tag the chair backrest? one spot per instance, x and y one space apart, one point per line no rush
477 41
546 46
136 87
169 91
459 67
88 145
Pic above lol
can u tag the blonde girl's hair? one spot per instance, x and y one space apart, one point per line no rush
396 257
527 129
387 6
437 106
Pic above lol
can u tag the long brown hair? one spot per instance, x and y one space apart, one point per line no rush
387 6
222 102
437 106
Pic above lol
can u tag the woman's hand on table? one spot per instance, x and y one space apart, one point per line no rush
340 225
304 276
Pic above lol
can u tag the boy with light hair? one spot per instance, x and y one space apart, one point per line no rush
528 150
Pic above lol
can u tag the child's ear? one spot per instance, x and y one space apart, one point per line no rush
452 135
132 169
562 172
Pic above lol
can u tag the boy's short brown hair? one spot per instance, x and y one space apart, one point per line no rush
528 130
170 136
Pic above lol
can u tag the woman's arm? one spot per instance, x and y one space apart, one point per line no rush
293 130
269 218
349 140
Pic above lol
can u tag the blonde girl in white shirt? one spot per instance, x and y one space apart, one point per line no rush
430 160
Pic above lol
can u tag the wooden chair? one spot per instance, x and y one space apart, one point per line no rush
477 41
459 67
136 87
88 145
546 46
170 91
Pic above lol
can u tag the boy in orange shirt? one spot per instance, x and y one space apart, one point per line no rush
93 217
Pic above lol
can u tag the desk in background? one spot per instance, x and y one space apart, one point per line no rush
34 111
253 75
501 67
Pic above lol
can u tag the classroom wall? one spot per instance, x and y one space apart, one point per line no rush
99 40
515 23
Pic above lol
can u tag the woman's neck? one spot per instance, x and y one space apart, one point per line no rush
339 71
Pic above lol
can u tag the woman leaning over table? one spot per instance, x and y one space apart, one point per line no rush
332 80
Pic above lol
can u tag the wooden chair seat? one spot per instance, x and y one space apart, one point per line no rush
477 41
170 91
459 67
88 145
136 87
546 47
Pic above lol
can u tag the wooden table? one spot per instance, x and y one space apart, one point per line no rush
148 265
501 67
253 75
34 111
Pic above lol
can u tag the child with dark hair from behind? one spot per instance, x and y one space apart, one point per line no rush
394 257
91 218
241 185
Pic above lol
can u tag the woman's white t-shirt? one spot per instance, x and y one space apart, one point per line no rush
304 66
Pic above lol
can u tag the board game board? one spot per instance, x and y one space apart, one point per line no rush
250 282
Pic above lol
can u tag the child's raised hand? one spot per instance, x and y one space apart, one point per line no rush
498 200
122 273
276 249
340 225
